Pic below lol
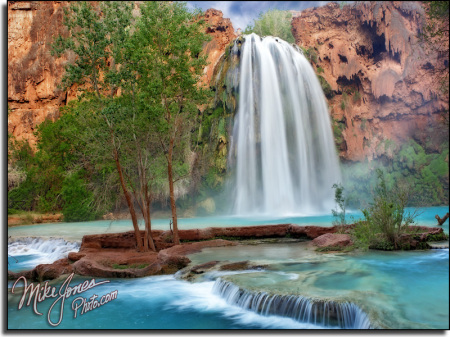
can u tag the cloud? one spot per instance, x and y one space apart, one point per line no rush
242 13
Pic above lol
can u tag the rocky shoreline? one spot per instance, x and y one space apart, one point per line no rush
114 255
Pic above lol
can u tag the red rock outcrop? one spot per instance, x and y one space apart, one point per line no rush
222 33
373 48
34 74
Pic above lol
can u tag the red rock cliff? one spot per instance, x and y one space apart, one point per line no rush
34 75
373 48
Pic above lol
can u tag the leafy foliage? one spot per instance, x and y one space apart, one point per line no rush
425 173
341 205
326 87
385 220
310 53
78 200
273 22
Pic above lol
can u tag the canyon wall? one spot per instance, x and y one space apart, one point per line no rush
34 75
383 85
381 77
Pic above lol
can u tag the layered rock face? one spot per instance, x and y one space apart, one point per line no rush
368 52
222 33
34 74
384 76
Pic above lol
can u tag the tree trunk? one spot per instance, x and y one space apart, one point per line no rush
441 221
148 221
176 239
137 233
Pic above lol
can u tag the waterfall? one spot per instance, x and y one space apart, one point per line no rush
43 250
329 314
282 147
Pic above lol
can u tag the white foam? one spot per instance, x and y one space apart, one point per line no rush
44 250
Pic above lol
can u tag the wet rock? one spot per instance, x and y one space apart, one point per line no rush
201 268
241 265
310 232
332 240
73 256
52 271
252 231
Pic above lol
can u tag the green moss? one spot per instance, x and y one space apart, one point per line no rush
326 87
130 266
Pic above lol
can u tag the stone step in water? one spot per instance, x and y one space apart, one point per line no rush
439 245
328 314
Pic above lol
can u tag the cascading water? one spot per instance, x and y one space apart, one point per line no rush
282 146
327 314
38 250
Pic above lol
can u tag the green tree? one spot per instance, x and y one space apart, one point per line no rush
97 38
273 22
169 41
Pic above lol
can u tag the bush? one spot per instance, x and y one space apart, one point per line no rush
341 204
385 220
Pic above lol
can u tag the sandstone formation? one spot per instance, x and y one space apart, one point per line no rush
373 48
115 255
34 74
222 34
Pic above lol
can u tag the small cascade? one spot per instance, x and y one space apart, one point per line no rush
44 250
328 314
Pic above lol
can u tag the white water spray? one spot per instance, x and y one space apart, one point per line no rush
329 314
286 162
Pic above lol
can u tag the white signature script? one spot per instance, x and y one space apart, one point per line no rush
39 292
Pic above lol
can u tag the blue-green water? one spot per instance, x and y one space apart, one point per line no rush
396 289
76 230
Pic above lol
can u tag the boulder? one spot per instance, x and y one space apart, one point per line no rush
332 240
52 271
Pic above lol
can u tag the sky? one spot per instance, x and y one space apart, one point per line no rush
242 13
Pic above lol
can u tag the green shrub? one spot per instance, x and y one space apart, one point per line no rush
341 204
310 53
385 219
326 87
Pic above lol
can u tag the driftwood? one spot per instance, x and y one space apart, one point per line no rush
441 221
